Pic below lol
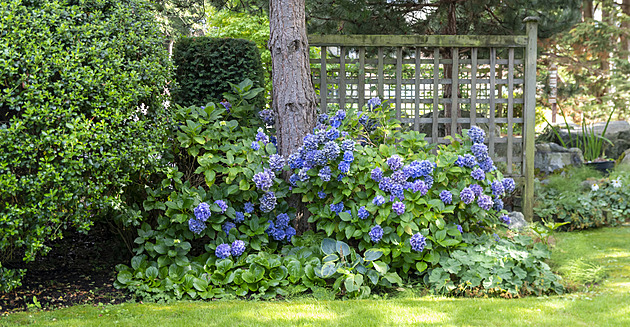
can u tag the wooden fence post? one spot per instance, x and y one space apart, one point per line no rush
529 114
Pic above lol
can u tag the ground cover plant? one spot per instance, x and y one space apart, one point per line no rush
583 198
383 213
603 303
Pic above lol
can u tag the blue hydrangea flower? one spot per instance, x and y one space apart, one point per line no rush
426 168
266 116
469 160
378 200
321 194
293 179
238 247
420 186
311 142
398 207
487 165
226 104
496 237
497 188
334 122
196 226
476 134
222 205
348 156
459 228
498 204
363 118
385 185
374 102
263 180
303 174
460 161
319 158
363 213
276 162
467 195
429 181
249 207
446 197
347 145
202 212
273 140
239 217
337 208
478 190
295 162
399 177
508 185
261 136
478 174
485 202
394 162
480 151
377 174
332 134
398 191
376 233
227 227
344 167
268 202
506 219
278 234
418 242
271 228
255 145
290 232
282 220
322 118
340 177
331 150
223 251
341 114
324 174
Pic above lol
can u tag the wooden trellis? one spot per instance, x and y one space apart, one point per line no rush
492 81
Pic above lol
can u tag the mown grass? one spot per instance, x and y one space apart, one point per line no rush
606 303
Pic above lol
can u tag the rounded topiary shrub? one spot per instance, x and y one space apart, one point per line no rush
81 111
206 66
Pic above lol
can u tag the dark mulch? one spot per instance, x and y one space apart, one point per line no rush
79 269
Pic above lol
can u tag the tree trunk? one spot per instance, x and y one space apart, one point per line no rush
450 29
587 9
625 40
293 98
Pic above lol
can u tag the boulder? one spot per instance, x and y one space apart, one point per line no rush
626 158
550 157
517 221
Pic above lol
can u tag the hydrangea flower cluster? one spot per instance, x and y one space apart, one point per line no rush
376 233
227 227
202 212
418 242
264 179
222 205
223 251
506 219
446 197
363 213
248 207
268 202
374 103
398 207
280 229
267 116
276 162
239 217
237 248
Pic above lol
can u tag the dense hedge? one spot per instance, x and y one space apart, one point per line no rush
82 111
206 66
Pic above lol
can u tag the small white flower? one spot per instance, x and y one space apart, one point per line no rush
222 123
616 183
594 187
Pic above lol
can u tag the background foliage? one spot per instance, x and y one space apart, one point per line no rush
206 66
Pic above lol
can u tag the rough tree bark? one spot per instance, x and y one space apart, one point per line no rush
293 98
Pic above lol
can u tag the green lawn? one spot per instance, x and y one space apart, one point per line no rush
603 252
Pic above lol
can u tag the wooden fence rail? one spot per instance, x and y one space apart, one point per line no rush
490 80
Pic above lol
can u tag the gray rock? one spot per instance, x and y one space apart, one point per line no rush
517 221
550 157
626 158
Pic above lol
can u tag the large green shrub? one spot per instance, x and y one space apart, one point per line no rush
206 66
82 110
386 211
